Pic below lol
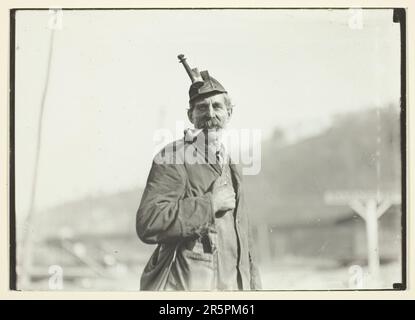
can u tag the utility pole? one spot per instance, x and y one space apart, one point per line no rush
29 235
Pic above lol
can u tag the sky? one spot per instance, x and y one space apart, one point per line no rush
115 79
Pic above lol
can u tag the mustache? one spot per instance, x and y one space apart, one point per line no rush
211 122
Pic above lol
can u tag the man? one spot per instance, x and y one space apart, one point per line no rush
192 206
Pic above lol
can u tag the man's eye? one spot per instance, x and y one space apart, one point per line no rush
217 105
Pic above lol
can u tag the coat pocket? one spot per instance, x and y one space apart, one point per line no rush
195 269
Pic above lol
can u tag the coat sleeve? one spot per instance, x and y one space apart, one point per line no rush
165 214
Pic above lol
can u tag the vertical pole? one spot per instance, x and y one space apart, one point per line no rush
372 238
26 256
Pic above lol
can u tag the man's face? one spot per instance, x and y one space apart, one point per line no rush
210 113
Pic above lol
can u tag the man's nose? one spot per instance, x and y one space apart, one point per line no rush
210 110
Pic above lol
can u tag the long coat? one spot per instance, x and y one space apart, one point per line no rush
176 214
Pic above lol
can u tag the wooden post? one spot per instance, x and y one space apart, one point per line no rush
372 238
370 206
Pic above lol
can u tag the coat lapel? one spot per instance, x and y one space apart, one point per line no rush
236 174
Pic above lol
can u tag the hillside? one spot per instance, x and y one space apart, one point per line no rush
360 151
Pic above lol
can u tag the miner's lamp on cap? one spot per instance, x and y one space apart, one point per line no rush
202 83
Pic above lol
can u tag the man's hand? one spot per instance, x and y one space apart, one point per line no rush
223 196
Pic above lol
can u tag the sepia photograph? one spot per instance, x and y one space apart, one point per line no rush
208 149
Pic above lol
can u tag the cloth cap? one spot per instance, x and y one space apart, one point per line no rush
210 86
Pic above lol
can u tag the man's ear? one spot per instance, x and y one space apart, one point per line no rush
190 115
230 110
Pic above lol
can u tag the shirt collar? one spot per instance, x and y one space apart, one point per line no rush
191 134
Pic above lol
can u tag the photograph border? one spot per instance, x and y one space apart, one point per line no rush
400 16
